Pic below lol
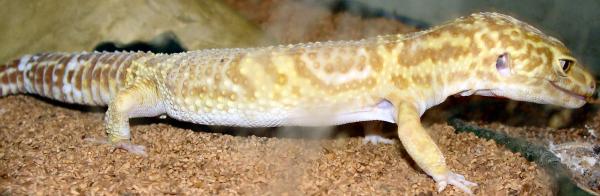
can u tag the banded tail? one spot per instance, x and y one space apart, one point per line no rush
82 78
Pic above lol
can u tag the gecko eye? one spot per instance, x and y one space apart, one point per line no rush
502 65
565 64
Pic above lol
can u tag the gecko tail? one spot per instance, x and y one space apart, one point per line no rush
81 78
8 78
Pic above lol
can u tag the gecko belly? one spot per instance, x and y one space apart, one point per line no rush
383 111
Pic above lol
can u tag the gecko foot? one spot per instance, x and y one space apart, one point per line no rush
125 145
377 139
132 148
457 180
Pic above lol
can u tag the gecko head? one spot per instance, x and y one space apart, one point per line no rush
534 67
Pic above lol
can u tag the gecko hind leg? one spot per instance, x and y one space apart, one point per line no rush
139 100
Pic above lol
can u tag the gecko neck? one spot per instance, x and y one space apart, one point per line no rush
461 79
428 67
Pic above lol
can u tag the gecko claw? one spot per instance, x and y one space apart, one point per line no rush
457 180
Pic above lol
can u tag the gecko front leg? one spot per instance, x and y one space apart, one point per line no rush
423 150
140 99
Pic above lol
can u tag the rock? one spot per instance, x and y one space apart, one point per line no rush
73 25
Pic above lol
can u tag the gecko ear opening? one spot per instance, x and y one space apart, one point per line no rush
503 65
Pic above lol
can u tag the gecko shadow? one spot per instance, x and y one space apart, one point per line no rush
167 43
509 112
292 132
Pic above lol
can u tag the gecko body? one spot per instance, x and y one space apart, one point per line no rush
393 78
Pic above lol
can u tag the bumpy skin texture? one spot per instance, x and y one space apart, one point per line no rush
392 78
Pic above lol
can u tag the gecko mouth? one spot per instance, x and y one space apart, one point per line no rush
568 92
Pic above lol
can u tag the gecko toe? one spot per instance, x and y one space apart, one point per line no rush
132 148
441 186
125 145
377 139
457 181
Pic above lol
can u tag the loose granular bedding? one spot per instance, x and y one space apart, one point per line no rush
43 151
